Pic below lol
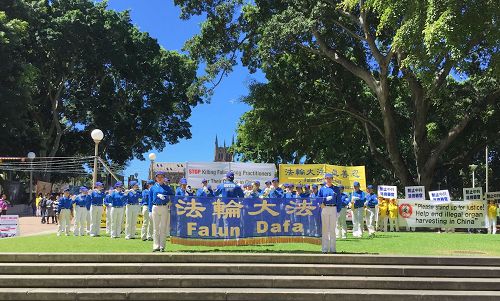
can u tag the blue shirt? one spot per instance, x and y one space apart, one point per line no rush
362 198
304 195
97 198
344 201
107 200
289 195
276 193
229 189
372 200
118 199
155 191
145 197
82 200
332 191
181 192
133 197
64 203
202 193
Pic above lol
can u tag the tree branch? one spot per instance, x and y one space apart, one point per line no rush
374 150
370 39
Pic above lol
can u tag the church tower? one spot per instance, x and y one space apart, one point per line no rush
222 153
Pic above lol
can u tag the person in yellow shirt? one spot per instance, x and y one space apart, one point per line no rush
382 214
38 199
393 215
492 217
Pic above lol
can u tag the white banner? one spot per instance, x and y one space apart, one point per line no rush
440 196
473 194
437 214
415 193
493 196
9 226
388 192
215 172
173 170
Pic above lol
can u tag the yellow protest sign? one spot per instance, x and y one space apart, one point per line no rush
314 174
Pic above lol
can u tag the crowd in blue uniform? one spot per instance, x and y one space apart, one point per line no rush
154 202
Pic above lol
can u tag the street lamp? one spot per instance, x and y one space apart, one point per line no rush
31 157
97 135
473 168
152 157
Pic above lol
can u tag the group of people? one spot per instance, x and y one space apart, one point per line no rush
154 202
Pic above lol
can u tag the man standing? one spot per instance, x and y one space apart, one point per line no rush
132 210
159 211
204 191
229 189
331 195
64 212
147 223
276 191
358 199
342 211
107 203
97 200
118 200
371 204
314 191
81 201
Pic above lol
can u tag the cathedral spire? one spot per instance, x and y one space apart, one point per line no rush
216 141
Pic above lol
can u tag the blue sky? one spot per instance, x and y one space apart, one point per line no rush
220 117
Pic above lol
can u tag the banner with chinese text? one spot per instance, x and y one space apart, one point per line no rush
314 174
228 221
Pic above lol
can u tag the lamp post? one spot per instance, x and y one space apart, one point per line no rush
97 135
473 169
31 157
152 157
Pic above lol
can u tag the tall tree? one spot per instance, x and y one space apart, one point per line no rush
93 69
422 44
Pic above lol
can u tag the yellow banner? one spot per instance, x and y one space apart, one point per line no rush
103 218
315 173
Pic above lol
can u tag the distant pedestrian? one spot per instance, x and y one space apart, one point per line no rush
4 204
50 209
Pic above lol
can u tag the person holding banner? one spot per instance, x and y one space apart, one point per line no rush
382 214
132 209
159 211
341 231
492 217
204 191
64 211
96 202
314 191
118 200
358 199
276 191
371 210
147 223
331 193
267 190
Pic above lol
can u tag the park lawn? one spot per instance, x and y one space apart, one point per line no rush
399 243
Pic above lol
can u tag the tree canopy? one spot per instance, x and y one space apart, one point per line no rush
421 92
74 66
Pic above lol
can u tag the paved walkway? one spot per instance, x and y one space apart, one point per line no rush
30 225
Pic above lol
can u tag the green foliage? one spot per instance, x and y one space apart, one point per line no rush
91 68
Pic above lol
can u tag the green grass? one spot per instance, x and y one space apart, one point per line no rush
401 243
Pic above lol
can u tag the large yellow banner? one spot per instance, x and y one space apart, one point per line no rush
314 174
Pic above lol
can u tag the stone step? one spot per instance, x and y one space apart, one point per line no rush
248 258
249 269
248 281
263 294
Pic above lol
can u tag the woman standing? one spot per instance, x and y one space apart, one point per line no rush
4 204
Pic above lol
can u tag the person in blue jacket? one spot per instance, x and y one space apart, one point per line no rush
64 212
147 223
97 201
132 210
229 189
107 204
358 199
342 211
331 201
276 191
182 189
205 190
118 201
314 191
159 210
81 202
371 210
